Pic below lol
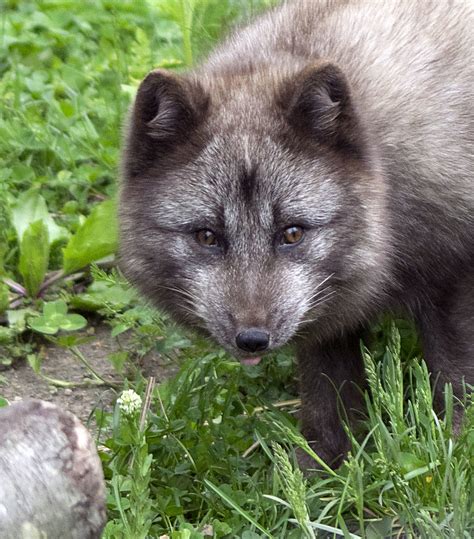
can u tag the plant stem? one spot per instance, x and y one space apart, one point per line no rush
16 287
55 276
15 303
65 384
91 369
52 278
147 402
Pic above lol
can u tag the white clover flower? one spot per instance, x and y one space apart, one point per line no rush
129 402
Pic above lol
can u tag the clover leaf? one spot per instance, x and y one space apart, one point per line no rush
55 317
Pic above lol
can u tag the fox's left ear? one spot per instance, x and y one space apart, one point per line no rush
318 101
168 105
167 109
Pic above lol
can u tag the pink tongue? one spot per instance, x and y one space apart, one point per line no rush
251 360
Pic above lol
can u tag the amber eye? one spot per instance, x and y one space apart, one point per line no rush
207 238
292 235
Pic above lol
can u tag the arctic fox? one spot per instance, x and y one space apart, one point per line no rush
315 171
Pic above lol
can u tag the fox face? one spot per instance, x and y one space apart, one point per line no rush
251 209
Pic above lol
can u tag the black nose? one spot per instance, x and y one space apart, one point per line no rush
253 340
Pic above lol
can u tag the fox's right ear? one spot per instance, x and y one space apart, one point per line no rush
167 105
318 101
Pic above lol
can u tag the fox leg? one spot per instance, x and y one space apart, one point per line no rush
331 379
447 331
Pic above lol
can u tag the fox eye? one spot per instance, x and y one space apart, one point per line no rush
206 238
292 235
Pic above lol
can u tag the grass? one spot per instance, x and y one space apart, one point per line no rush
213 453
221 454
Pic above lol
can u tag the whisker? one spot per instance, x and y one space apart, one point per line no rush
324 280
316 297
190 307
316 304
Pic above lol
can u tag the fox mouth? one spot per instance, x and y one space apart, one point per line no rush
250 361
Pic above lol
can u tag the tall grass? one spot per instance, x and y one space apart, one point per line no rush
221 461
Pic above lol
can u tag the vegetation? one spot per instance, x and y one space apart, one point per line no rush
210 452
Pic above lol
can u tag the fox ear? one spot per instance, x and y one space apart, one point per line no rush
166 110
167 106
318 101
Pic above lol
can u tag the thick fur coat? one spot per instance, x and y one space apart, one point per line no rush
346 125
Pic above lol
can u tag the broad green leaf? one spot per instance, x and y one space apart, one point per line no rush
3 251
95 239
119 329
41 324
17 319
56 317
100 294
4 298
3 402
73 322
31 207
409 462
52 308
34 256
6 335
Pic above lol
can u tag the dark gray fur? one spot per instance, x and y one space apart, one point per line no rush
351 119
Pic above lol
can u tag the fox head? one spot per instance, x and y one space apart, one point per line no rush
252 204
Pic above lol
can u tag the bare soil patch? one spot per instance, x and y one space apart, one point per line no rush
20 381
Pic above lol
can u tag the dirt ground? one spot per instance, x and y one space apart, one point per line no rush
20 382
